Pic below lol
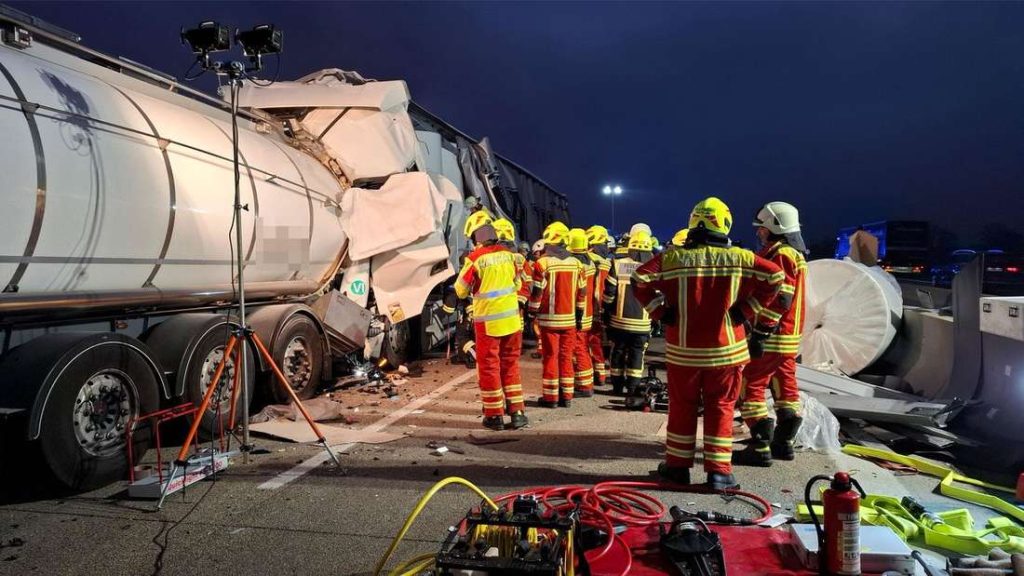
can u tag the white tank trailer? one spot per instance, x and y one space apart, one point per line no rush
116 236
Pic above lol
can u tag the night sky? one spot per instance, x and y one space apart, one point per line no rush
854 112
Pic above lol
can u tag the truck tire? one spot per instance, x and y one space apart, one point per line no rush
83 437
398 344
198 373
298 350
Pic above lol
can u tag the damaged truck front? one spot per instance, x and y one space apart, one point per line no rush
115 259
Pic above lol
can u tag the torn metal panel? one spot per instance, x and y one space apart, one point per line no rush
365 127
403 279
816 381
346 321
885 410
404 210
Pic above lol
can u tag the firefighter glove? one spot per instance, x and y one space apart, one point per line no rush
579 319
667 314
756 340
736 315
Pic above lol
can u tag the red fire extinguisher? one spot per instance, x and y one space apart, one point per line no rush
839 541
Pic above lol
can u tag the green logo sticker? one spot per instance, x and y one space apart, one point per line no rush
357 287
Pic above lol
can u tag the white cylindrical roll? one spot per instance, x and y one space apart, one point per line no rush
852 314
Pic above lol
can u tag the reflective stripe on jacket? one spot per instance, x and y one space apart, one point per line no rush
604 267
558 289
791 298
701 284
589 281
525 268
625 311
490 276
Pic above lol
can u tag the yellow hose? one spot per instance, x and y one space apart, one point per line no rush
416 512
414 566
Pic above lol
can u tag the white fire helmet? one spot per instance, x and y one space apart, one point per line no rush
779 218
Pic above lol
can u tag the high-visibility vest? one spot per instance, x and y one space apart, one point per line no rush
791 298
625 311
558 289
701 284
491 277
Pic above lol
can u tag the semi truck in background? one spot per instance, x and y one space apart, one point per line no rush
115 255
903 245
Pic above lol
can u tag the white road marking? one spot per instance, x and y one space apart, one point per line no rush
302 468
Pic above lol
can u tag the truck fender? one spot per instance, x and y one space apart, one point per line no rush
266 322
37 365
174 341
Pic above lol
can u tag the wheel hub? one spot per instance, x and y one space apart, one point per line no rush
297 365
102 410
223 393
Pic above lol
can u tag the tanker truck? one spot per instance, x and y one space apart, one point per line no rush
116 251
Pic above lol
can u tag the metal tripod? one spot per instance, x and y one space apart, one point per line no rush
242 333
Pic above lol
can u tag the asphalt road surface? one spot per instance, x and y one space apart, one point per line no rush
288 512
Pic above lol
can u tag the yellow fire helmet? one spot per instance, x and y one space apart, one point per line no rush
655 242
641 241
711 214
556 233
680 238
504 229
578 242
597 234
475 221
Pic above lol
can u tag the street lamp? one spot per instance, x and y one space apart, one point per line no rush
612 191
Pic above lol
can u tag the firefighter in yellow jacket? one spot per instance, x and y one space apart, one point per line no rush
490 275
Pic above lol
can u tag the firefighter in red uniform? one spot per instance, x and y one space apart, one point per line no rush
490 276
778 231
557 302
597 237
703 292
629 325
536 251
579 247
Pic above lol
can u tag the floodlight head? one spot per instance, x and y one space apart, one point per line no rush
607 190
263 39
618 190
208 37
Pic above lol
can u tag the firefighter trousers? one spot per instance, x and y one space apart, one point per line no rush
627 357
497 368
777 371
595 341
584 373
719 388
558 376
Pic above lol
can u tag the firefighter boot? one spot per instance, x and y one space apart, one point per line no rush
545 403
635 397
676 474
519 420
757 452
719 481
785 432
494 423
564 403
